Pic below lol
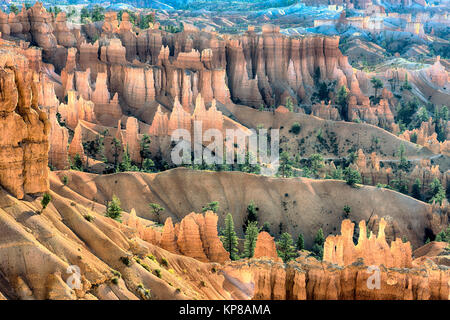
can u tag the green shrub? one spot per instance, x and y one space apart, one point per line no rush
296 128
157 273
46 198
164 262
126 261
89 217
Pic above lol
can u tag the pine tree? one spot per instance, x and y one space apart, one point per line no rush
250 239
437 191
300 242
444 235
403 161
229 238
352 176
286 250
116 144
415 192
46 198
266 227
113 209
212 206
77 163
377 84
285 169
145 148
316 162
319 241
289 104
125 165
252 215
341 100
156 209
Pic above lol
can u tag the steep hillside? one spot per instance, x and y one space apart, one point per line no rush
299 204
339 137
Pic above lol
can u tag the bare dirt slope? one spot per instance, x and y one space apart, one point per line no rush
37 248
299 204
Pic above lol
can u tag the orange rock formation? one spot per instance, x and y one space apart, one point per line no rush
265 247
24 128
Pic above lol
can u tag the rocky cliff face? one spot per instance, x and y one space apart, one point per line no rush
265 247
369 270
426 136
373 250
195 236
250 69
24 128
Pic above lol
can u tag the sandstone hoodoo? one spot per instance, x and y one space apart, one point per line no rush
266 150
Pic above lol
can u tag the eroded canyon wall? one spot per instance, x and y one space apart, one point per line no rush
24 128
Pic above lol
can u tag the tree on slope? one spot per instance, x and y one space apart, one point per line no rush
251 236
229 238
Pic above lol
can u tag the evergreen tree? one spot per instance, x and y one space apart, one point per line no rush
289 104
316 162
437 191
77 163
156 210
352 176
404 164
148 165
116 144
338 174
145 148
229 238
252 215
286 250
377 84
266 227
212 206
251 234
46 198
444 235
300 242
319 241
113 209
415 192
14 9
126 164
341 101
285 169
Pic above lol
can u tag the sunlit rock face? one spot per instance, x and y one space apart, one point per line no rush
346 272
24 128
195 236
